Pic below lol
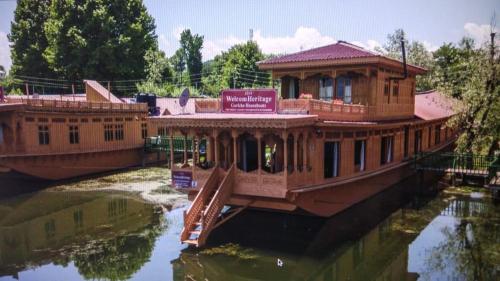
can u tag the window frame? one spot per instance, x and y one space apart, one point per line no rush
43 134
74 134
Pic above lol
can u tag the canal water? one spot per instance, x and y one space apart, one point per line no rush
116 236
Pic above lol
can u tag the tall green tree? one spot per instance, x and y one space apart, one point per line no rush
416 54
392 47
157 67
453 63
420 56
99 39
480 94
191 45
237 68
28 39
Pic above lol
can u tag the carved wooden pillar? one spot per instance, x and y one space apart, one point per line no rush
285 157
195 143
208 149
304 151
216 148
171 143
185 150
258 136
234 135
295 152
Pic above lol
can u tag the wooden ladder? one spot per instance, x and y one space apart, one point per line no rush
202 216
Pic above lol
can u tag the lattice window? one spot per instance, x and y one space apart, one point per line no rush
74 135
43 135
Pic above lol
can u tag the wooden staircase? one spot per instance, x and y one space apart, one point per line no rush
200 219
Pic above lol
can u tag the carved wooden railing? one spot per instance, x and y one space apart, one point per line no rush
211 213
324 109
199 202
75 105
342 112
295 106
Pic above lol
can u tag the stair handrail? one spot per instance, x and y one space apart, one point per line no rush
197 205
218 201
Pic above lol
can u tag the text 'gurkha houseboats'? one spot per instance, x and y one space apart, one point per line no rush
345 124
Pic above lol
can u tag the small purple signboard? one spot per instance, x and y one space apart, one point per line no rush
249 101
182 179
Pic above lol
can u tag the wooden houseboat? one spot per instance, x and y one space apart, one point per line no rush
57 137
345 125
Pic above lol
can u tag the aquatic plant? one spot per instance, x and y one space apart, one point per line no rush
232 250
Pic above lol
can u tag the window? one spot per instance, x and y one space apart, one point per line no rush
293 88
326 88
386 150
437 134
359 155
387 87
119 132
43 135
395 88
344 89
108 132
429 137
162 131
74 136
332 159
144 130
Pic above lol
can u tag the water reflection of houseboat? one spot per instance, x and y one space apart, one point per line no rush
56 226
358 244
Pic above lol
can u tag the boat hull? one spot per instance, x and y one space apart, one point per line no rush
64 166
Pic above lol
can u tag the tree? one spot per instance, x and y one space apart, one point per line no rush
480 95
28 39
191 46
420 56
237 68
157 68
105 39
392 48
416 54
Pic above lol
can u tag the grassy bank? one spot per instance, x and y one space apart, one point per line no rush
153 184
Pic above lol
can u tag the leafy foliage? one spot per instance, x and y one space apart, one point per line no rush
101 39
236 68
191 45
28 39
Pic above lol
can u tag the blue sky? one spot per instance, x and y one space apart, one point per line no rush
286 26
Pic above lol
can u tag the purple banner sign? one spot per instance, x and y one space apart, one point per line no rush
182 179
249 101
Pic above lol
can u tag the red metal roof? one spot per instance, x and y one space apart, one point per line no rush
434 105
339 50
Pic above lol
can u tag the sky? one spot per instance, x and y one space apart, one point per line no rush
285 26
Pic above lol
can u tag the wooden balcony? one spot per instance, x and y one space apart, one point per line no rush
325 110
